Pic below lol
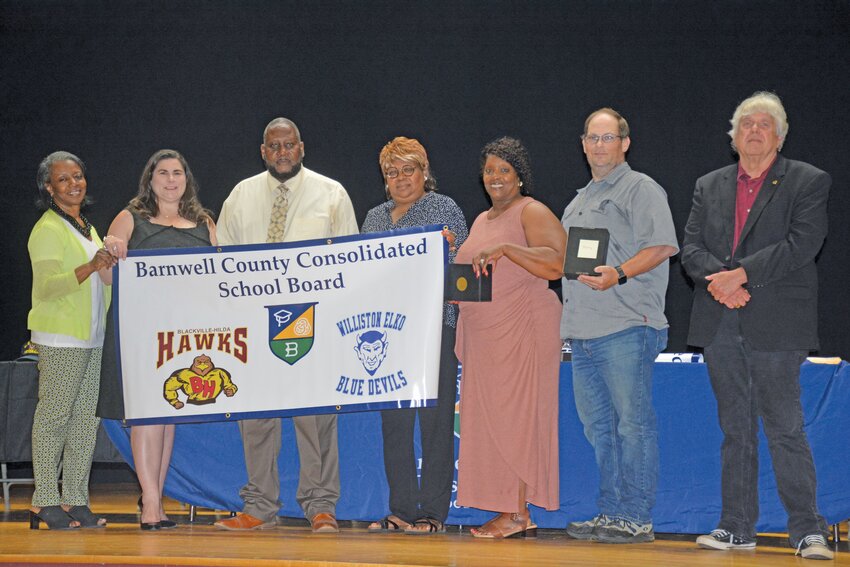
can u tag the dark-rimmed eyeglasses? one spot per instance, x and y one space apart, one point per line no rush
407 170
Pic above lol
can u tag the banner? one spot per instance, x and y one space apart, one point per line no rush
321 326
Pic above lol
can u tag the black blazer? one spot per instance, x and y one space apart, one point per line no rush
783 233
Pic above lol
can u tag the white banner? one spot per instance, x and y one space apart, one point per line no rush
319 326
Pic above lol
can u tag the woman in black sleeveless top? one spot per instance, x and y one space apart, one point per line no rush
166 213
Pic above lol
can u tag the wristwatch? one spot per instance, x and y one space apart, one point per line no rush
622 278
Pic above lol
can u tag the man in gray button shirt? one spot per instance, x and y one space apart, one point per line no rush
617 326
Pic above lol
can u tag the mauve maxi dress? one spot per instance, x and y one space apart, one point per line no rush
510 352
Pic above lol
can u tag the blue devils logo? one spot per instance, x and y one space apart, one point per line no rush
371 349
291 330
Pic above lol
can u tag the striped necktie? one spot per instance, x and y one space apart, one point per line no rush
277 222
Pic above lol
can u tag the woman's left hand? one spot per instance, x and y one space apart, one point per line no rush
487 256
103 260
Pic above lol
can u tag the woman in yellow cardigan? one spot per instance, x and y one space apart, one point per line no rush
67 320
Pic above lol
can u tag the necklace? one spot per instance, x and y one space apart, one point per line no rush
85 230
169 216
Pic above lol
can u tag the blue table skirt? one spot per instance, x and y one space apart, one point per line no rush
208 468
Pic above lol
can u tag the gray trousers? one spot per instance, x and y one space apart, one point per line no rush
318 480
749 385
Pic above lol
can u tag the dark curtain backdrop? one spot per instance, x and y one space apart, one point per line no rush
113 81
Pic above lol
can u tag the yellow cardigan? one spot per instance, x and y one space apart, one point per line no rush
60 304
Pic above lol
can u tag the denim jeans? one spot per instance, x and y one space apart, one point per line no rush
612 380
749 384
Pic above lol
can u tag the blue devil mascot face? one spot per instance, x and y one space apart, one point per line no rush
371 350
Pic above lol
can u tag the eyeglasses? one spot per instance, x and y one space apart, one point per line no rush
747 123
593 139
407 170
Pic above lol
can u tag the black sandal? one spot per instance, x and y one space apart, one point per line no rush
398 525
87 519
434 527
54 516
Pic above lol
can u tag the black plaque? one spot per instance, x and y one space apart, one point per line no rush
586 249
462 285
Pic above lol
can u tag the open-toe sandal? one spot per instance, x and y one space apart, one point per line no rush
498 528
389 524
426 526
54 516
86 517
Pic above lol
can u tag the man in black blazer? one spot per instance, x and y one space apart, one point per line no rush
750 245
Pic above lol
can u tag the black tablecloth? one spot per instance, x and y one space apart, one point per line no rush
18 397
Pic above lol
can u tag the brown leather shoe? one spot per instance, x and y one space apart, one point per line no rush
324 523
244 522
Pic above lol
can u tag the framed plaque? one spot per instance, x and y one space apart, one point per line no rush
586 249
462 285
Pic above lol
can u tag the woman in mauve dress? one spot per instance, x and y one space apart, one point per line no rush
510 351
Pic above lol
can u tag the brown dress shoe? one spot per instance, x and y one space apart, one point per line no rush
244 522
324 523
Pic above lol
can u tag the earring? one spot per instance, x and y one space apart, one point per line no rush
520 183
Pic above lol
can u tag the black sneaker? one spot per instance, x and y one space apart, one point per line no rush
619 530
723 539
586 529
814 547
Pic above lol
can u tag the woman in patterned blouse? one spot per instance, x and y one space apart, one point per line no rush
419 508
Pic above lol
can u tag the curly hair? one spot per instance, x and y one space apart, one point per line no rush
512 151
144 203
411 151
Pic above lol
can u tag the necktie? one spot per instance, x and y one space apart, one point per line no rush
277 222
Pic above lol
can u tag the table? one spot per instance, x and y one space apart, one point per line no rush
208 465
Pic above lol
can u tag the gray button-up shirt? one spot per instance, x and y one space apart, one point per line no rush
634 209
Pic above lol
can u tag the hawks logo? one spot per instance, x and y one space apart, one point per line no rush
202 383
291 330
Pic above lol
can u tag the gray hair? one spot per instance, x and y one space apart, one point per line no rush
280 121
761 101
42 177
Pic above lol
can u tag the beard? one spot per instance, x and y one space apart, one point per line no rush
282 177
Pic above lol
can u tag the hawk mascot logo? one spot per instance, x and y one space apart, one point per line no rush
201 383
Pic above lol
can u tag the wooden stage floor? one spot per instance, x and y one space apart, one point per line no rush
292 544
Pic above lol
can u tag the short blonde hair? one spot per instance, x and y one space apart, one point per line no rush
409 150
761 101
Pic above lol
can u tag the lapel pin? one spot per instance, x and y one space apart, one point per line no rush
775 182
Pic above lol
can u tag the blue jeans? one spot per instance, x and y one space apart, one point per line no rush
612 381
